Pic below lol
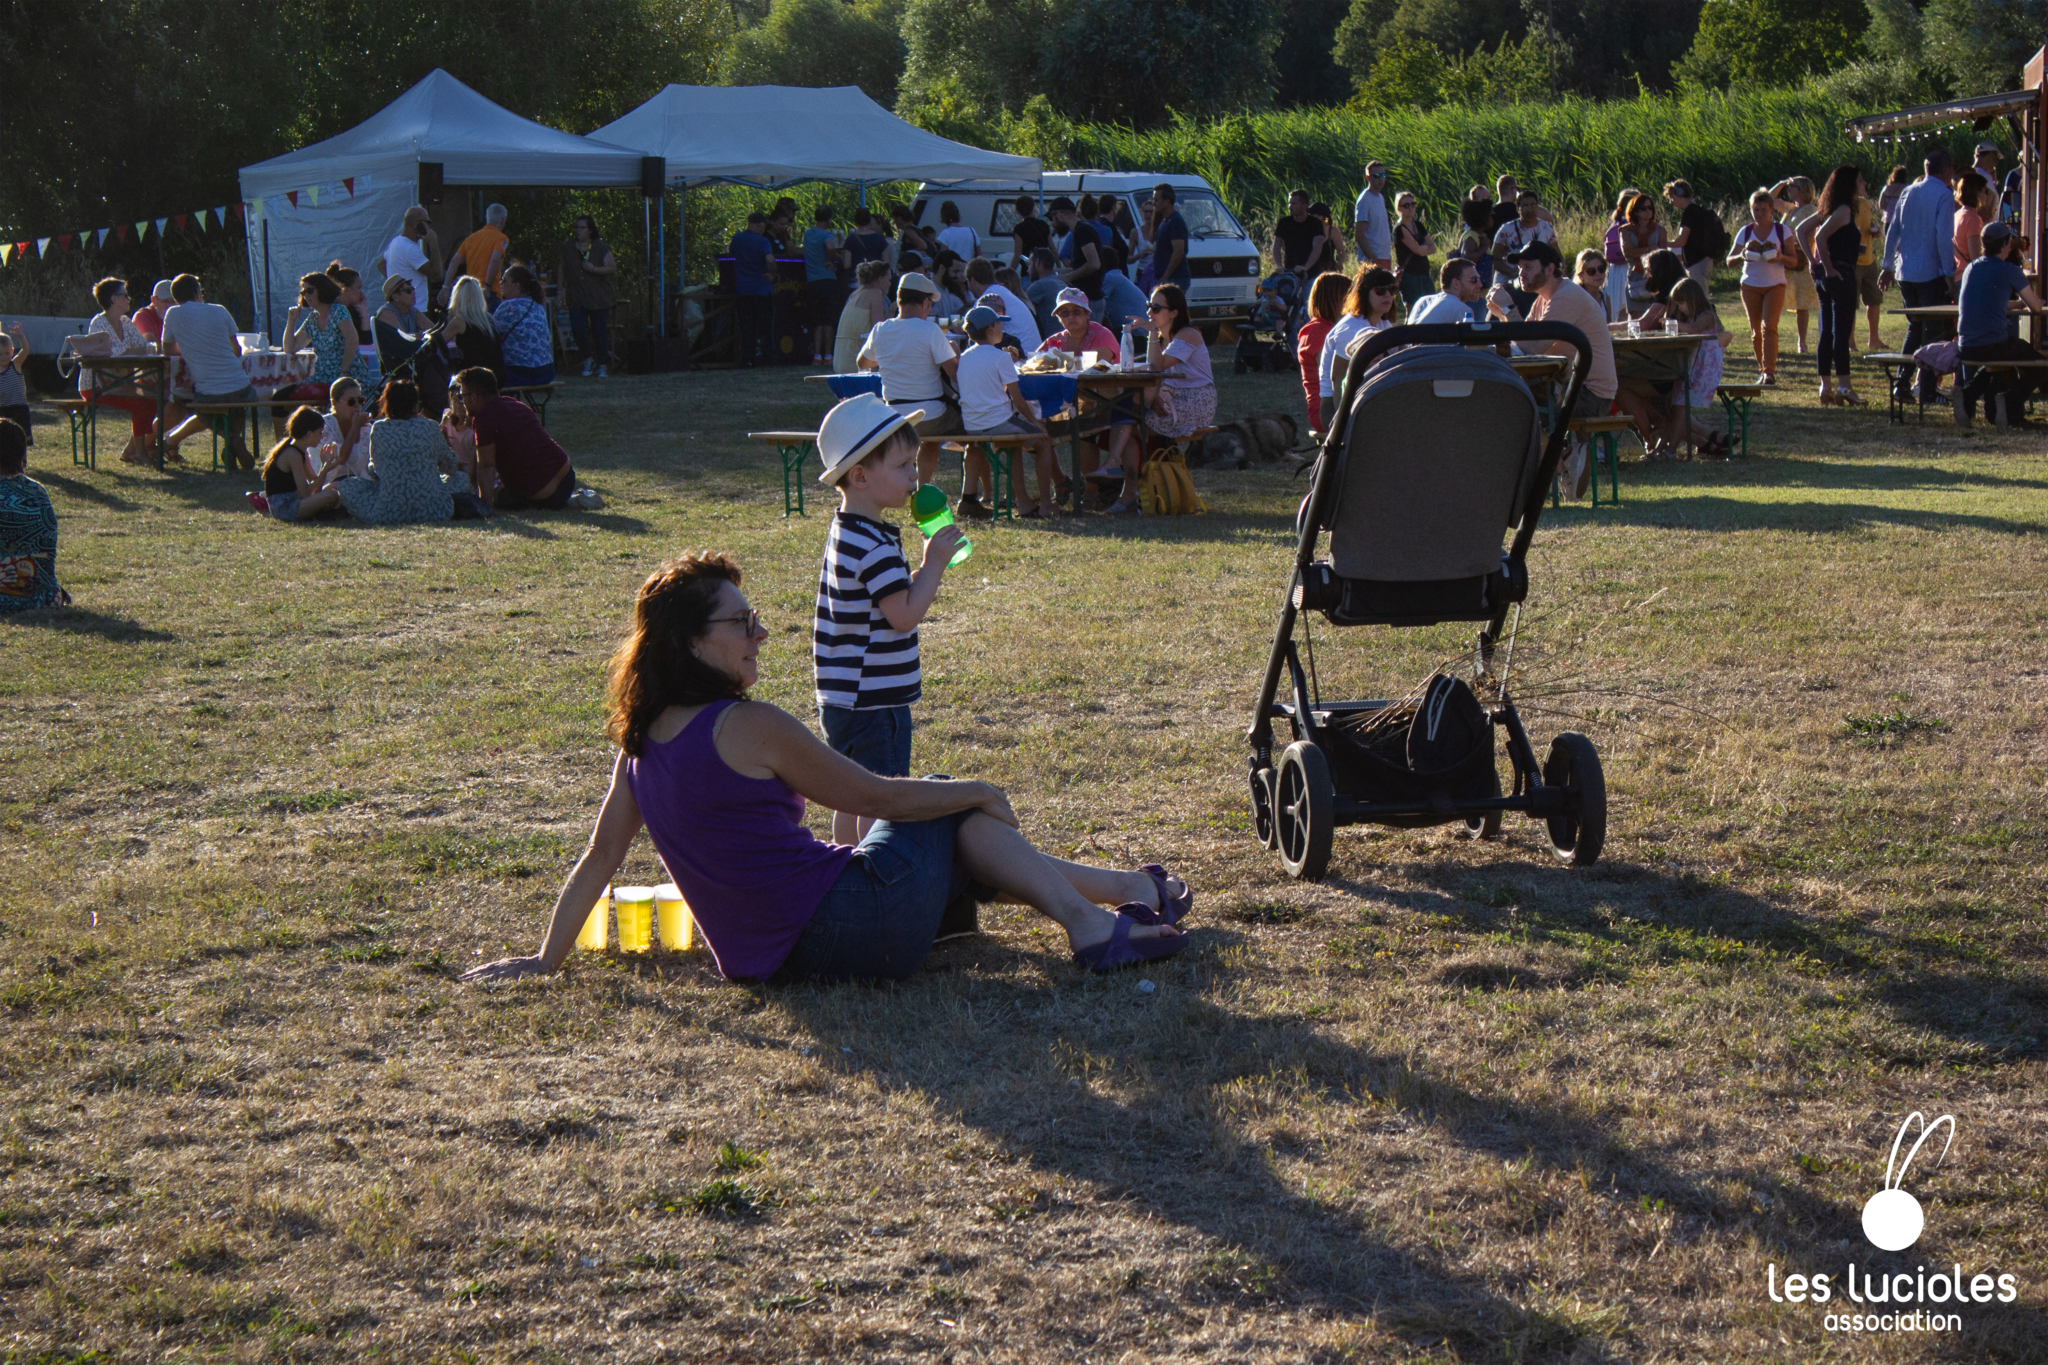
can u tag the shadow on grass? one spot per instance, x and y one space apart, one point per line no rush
83 491
80 621
1706 512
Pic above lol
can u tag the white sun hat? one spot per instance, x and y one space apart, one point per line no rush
854 430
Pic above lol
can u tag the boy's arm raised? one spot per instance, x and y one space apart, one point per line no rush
905 608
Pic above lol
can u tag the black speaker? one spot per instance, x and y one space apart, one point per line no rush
430 183
653 170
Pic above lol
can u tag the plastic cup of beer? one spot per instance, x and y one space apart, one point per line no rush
672 915
596 934
1088 359
635 905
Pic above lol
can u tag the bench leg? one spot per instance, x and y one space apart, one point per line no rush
793 477
1604 448
1005 504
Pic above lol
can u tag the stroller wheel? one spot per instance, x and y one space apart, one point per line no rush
1486 826
1578 831
1304 811
1261 782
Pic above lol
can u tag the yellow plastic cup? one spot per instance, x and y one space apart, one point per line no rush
635 906
596 934
678 930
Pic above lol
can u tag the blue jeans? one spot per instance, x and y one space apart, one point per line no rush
592 329
878 921
877 740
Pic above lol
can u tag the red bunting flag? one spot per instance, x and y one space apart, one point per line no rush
23 247
64 243
292 195
350 183
122 232
180 220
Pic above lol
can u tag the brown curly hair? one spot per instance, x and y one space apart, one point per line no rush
654 668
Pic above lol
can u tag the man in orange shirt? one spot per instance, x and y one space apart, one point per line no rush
482 254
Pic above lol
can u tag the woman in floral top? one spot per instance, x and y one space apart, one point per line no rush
28 531
113 321
319 320
405 483
522 325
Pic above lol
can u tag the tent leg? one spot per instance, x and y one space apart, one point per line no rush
268 330
661 267
647 245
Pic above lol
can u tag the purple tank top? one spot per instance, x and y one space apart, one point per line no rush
736 846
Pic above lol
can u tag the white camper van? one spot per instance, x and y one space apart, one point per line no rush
1223 260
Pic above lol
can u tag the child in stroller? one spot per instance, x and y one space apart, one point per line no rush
1266 341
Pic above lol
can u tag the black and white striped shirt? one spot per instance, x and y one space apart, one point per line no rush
859 662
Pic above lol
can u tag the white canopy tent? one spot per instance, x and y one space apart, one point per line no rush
770 136
344 198
775 135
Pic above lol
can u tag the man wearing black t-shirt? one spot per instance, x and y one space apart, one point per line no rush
1028 233
1297 238
1699 231
1085 273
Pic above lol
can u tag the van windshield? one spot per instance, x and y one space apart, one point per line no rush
1205 215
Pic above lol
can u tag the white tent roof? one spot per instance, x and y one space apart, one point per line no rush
476 142
775 135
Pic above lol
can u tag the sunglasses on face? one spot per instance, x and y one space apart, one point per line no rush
1159 308
351 402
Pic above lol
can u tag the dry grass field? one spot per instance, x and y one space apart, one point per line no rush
266 790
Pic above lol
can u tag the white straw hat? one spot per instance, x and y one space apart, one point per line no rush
854 429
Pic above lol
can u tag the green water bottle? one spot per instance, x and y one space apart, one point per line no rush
932 514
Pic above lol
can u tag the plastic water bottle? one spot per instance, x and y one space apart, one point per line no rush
929 508
1130 341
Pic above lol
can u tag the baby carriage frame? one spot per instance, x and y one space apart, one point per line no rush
1437 452
1265 341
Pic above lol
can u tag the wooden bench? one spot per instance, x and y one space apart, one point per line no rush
1603 443
999 450
535 396
1898 369
83 416
1994 403
221 413
1736 398
794 447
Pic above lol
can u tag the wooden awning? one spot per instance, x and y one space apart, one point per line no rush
1979 111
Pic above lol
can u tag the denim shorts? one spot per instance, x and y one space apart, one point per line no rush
284 506
878 921
878 740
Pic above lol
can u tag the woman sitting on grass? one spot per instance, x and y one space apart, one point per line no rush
405 474
291 479
720 783
28 531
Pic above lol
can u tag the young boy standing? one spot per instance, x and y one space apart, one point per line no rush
864 642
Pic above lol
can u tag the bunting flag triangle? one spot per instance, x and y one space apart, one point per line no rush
103 235
64 243
42 246
349 183
6 250
313 194
160 226
220 216
292 195
181 220
142 231
199 217
121 231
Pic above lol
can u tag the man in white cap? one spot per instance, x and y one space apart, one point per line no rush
864 644
918 367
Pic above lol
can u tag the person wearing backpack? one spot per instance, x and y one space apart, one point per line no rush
1701 239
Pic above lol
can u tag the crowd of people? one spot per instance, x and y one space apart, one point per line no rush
1823 253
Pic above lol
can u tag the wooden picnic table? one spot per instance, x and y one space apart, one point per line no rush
1110 386
110 372
1661 357
1951 310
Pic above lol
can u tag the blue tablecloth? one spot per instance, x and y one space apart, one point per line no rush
1052 392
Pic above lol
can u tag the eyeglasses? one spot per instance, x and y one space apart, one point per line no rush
405 289
752 621
1159 308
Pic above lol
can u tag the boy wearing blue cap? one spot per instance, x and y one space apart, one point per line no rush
991 405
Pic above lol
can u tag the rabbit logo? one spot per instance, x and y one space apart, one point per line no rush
1892 1219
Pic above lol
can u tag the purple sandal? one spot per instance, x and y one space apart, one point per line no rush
1118 951
1172 909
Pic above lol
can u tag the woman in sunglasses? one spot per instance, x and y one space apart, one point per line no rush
720 783
1185 400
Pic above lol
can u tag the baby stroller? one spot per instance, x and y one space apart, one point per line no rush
1436 454
1266 341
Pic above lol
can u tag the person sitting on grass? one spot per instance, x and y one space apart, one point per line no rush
720 781
28 531
992 405
344 431
405 476
517 463
291 478
460 434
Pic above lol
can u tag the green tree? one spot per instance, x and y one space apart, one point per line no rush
1981 45
1408 71
1513 73
1308 74
1772 42
821 43
1357 44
